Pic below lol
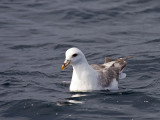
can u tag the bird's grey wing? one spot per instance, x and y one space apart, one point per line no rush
98 66
105 74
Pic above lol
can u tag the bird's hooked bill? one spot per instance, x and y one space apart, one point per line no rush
65 64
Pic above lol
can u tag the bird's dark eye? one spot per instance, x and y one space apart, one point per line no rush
74 55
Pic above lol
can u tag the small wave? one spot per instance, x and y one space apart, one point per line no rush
153 41
17 47
59 46
154 84
151 10
82 41
139 1
86 15
16 72
144 77
11 80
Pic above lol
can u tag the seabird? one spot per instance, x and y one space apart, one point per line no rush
87 77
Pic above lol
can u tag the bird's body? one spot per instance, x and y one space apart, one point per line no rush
87 77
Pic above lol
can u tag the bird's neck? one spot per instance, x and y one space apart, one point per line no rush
81 66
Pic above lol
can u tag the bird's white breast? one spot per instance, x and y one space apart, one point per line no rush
84 81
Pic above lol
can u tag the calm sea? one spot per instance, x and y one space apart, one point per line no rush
34 35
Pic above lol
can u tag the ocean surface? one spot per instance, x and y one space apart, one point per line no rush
34 35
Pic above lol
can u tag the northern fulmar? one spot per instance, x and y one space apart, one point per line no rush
87 77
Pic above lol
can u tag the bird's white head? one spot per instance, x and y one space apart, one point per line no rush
73 56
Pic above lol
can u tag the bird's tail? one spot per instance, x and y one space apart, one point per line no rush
120 65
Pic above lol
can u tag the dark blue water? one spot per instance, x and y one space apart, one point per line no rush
34 34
